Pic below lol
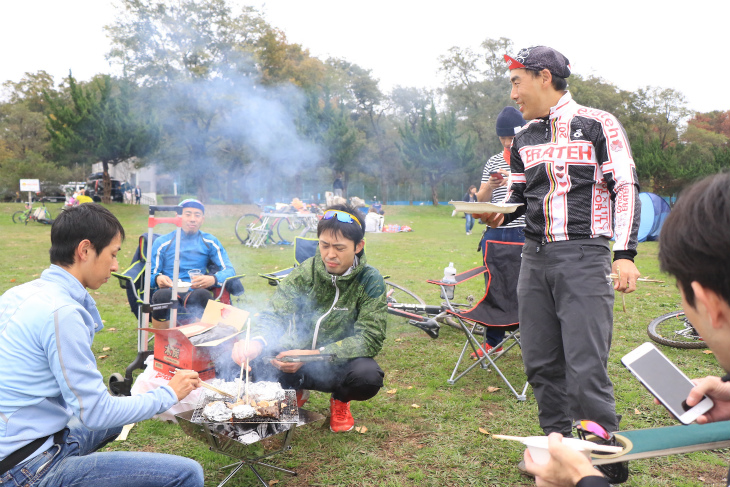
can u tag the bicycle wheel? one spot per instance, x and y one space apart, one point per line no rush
399 294
675 330
19 217
288 228
244 225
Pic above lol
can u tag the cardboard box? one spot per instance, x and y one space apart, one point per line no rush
166 371
174 348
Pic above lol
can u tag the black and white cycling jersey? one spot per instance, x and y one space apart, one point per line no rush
574 172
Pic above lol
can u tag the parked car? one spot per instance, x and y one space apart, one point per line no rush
95 188
52 192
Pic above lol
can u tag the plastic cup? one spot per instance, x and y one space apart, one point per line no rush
193 273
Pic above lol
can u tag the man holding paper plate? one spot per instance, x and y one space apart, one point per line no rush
573 172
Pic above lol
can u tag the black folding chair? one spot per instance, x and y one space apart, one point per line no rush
304 248
496 309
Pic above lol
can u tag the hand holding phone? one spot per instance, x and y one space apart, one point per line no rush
665 381
496 175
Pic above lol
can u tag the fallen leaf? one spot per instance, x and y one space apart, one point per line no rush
273 482
12 280
701 478
491 413
415 406
102 357
636 411
492 389
97 292
483 431
106 349
392 391
361 429
398 340
103 321
409 387
707 351
34 275
622 337
112 329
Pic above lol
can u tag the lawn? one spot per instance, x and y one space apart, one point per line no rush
440 442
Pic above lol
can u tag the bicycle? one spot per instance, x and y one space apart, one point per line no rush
258 230
675 330
39 214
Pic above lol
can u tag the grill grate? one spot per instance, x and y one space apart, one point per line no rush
288 412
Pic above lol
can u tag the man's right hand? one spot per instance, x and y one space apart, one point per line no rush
184 382
565 468
241 351
494 220
163 281
718 391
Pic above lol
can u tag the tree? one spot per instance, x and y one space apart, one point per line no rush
100 125
434 148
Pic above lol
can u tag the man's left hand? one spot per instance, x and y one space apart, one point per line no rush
564 469
291 367
202 282
627 275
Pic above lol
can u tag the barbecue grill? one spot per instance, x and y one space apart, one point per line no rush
250 440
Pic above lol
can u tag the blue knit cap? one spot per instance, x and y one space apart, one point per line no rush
509 121
192 203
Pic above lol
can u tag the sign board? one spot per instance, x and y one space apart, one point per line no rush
30 185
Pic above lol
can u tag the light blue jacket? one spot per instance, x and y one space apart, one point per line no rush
197 251
48 369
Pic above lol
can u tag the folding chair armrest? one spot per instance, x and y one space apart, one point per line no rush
228 281
123 279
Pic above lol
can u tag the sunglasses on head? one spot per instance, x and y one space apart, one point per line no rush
585 427
342 216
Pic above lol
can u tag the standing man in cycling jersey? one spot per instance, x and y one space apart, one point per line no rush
333 303
573 171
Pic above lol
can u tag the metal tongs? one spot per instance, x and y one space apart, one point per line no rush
295 359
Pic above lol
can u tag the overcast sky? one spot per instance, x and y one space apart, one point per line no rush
679 45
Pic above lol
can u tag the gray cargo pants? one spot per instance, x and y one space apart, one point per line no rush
566 325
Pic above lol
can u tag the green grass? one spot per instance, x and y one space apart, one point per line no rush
436 444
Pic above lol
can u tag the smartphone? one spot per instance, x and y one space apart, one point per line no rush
665 381
496 174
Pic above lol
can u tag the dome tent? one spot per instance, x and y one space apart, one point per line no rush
654 211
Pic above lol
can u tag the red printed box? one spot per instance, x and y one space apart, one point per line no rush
174 348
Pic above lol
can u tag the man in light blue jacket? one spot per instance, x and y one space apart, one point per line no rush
55 410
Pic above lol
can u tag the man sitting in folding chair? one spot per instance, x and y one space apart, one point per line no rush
325 322
199 252
497 310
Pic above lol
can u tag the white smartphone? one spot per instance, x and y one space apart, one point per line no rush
665 381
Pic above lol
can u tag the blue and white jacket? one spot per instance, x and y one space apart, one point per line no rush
48 369
197 251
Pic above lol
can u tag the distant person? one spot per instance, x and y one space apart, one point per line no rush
494 190
333 303
373 220
55 407
471 197
573 173
338 186
199 251
137 195
693 247
83 198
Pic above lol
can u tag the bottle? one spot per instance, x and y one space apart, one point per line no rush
449 276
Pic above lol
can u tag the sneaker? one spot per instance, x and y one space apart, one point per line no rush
615 473
523 470
302 397
487 348
468 233
341 419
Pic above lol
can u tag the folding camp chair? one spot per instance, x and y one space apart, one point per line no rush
136 281
304 248
497 308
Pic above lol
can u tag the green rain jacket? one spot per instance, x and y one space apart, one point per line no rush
348 313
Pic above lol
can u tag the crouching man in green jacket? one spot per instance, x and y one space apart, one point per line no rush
333 303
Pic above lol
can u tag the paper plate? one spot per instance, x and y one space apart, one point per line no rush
183 287
484 207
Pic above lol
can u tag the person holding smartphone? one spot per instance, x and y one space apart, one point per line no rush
494 190
693 247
